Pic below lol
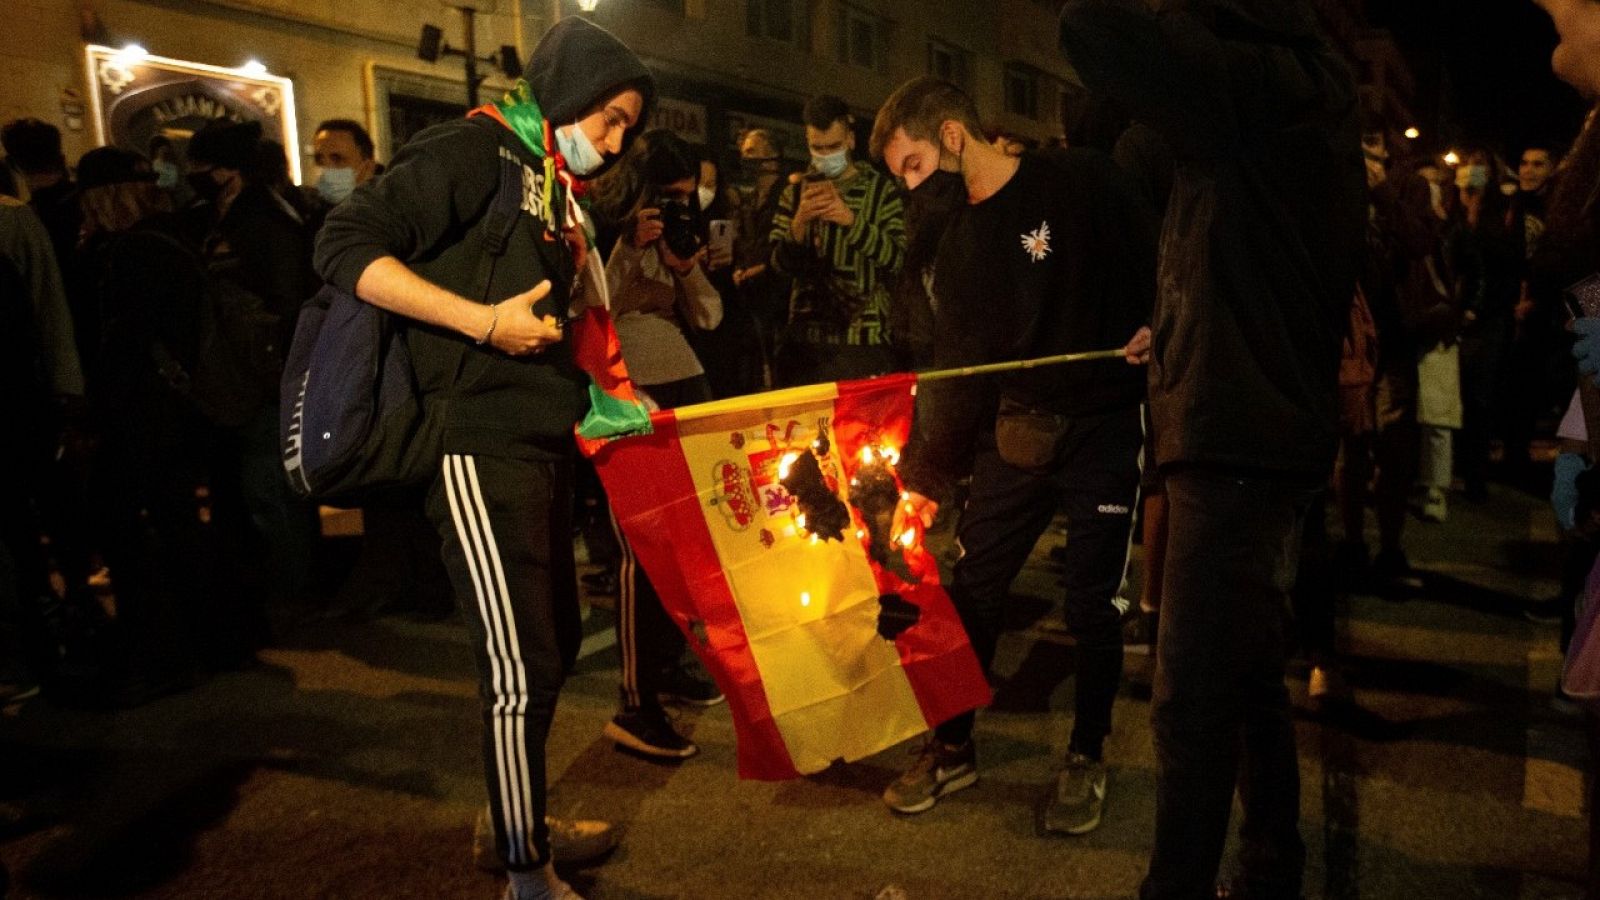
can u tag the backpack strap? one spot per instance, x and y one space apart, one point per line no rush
501 219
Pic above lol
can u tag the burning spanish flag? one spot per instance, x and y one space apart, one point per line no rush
765 524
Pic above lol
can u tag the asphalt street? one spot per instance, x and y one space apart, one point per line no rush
346 765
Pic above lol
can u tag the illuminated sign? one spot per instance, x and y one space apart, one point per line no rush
135 96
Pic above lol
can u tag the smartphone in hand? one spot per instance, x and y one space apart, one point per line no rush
721 242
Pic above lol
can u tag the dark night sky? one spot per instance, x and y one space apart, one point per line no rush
1483 70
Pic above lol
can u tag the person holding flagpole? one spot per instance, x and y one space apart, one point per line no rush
486 339
1050 254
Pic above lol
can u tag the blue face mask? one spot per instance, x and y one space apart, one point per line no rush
832 165
336 184
167 174
579 152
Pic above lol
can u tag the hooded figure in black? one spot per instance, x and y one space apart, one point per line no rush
494 367
1260 250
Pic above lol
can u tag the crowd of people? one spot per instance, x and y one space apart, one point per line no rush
1342 322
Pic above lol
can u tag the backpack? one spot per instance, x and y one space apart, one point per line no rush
353 421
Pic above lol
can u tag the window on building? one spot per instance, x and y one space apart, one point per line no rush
1022 91
949 62
863 38
776 20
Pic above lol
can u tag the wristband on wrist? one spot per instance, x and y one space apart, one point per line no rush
493 321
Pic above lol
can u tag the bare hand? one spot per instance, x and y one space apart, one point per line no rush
748 273
824 198
913 507
519 332
1137 353
647 228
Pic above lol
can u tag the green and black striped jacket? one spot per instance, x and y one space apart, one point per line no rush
862 260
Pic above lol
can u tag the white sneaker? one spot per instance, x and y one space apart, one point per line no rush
540 884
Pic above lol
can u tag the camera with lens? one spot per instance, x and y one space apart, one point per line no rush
680 228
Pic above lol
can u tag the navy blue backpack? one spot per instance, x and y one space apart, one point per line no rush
352 420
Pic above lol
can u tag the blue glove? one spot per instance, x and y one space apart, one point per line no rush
1587 348
1564 491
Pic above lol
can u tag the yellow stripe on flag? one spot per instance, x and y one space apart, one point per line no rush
809 607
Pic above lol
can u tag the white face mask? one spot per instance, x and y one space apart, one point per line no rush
707 195
334 185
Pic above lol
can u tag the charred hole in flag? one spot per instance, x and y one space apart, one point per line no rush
826 516
895 615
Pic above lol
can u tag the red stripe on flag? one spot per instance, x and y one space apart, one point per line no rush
666 527
947 682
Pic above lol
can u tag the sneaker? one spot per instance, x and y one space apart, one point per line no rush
684 687
1079 798
540 884
938 771
577 842
648 731
573 842
1139 632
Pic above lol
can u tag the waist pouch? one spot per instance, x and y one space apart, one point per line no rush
1029 438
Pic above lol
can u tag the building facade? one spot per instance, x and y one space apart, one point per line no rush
724 65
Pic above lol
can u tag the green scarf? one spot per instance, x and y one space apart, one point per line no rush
520 110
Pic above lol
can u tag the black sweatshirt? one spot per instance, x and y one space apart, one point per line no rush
427 210
1060 260
1263 236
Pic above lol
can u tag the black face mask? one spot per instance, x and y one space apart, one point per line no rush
759 165
205 186
940 184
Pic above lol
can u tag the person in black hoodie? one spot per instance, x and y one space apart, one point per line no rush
254 242
1048 255
1260 251
492 360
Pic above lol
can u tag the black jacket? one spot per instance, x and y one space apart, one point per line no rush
1060 260
1264 228
261 247
428 210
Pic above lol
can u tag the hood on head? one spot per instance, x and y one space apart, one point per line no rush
576 65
